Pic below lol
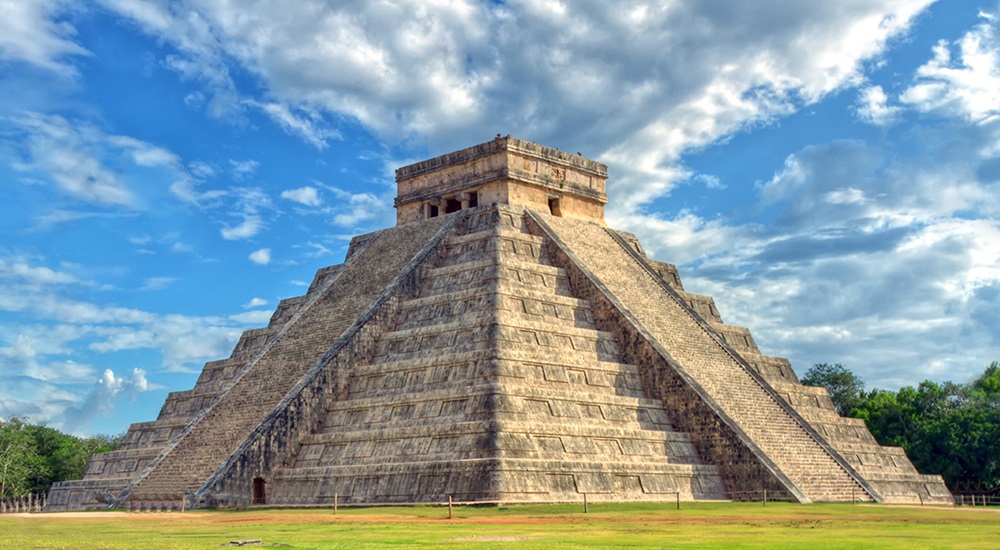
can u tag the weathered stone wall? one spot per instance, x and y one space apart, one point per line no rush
504 171
701 357
497 355
240 409
277 440
494 386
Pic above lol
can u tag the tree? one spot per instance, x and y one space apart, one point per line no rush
845 387
986 388
33 457
951 429
18 457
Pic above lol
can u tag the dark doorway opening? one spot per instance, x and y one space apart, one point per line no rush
259 491
452 206
473 200
433 211
554 207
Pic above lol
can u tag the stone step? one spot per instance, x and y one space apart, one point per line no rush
693 347
458 371
507 392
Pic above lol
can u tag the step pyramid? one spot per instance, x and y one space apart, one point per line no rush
501 344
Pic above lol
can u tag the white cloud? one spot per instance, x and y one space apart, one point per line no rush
967 87
258 317
31 32
66 327
250 202
884 263
157 283
255 302
201 170
144 154
261 257
873 108
59 216
242 169
315 250
249 227
357 208
72 155
101 400
634 88
19 270
303 195
311 129
180 247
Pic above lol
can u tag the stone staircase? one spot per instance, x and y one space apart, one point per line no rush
107 474
695 348
183 466
887 469
495 385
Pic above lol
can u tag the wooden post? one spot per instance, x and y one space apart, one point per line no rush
854 498
678 495
586 508
765 496
183 502
335 496
451 514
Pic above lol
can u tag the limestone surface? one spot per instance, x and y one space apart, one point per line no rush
501 344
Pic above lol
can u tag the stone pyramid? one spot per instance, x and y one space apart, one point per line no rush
501 344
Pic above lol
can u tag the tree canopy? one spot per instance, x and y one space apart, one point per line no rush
845 387
33 457
950 429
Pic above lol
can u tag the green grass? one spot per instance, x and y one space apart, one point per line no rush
701 525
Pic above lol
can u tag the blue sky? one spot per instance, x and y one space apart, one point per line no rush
828 171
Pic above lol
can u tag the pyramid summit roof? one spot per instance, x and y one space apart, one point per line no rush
500 344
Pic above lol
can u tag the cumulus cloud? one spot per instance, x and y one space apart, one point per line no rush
873 107
966 86
107 391
868 261
354 209
634 87
261 257
307 196
249 227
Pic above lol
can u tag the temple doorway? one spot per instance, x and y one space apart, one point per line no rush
259 491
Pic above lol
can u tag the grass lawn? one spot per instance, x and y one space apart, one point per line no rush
696 525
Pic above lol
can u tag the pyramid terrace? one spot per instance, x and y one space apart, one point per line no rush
501 344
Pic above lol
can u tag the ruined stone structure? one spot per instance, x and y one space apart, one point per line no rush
500 344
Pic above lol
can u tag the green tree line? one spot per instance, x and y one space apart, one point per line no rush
33 457
951 429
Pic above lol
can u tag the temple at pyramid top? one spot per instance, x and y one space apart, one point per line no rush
501 344
506 170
